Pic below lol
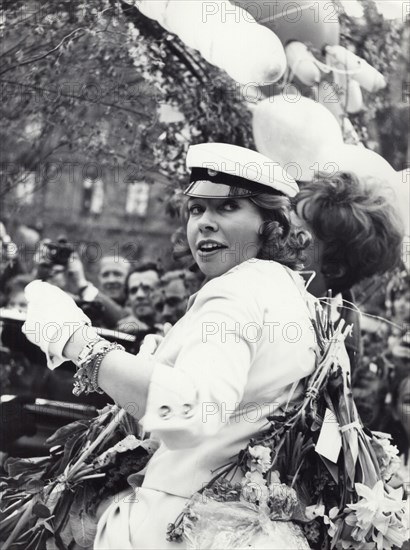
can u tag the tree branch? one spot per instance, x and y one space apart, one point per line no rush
33 60
77 97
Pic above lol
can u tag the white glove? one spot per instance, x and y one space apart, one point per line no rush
52 318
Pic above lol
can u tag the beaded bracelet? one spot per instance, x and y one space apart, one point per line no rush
95 368
86 377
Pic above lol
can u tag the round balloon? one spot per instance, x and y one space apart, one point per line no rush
314 23
225 35
358 159
302 63
292 129
370 165
402 189
354 97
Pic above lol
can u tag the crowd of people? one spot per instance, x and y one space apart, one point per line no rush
138 298
128 297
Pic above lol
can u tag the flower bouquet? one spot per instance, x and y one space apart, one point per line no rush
49 502
315 478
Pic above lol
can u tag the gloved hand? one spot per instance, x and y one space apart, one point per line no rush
52 318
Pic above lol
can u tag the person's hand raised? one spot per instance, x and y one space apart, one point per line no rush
52 318
75 272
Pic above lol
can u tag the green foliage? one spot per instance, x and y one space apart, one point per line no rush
88 82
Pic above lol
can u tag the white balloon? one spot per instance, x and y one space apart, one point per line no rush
302 63
292 130
353 8
226 35
367 76
370 79
393 10
358 159
354 97
349 93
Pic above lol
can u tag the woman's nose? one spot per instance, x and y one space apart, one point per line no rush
208 222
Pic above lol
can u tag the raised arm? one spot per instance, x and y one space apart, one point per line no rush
181 404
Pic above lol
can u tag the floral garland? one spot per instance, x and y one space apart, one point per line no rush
55 497
291 491
341 502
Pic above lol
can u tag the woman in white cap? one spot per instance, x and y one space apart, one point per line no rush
236 355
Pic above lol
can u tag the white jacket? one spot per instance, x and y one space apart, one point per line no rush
238 353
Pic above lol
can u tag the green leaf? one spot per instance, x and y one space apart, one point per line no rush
40 510
66 534
65 432
33 485
83 524
18 467
62 510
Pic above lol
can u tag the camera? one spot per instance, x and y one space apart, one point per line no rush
59 253
53 254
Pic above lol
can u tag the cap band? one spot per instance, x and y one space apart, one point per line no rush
209 183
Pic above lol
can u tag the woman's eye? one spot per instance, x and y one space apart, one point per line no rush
230 205
195 209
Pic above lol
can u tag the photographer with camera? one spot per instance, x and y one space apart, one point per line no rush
59 265
52 262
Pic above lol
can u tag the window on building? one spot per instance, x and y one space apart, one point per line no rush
26 187
93 196
137 198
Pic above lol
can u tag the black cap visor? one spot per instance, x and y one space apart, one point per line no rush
211 184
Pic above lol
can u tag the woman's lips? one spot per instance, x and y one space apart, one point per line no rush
203 254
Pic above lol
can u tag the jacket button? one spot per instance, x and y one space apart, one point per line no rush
187 410
164 412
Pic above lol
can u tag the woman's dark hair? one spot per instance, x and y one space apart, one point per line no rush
358 224
280 241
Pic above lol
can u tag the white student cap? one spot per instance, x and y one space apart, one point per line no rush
222 170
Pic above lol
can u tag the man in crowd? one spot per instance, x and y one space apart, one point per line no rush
107 303
172 297
141 284
111 277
